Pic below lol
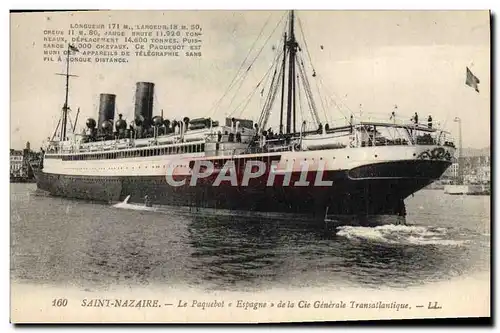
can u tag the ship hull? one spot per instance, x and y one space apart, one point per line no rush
371 190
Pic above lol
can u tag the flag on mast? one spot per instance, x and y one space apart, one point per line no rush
471 80
72 48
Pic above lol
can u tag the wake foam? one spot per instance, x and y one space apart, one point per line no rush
125 205
401 234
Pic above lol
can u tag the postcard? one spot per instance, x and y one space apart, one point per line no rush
249 166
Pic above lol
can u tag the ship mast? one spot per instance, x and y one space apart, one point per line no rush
283 85
290 81
65 107
64 120
292 49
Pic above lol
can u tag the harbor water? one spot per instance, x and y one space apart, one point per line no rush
92 246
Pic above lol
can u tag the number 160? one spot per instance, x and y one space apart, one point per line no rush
59 302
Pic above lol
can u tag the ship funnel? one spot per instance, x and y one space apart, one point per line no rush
144 96
106 108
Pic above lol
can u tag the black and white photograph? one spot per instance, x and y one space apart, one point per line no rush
249 166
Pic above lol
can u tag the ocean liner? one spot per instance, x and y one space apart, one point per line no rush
365 167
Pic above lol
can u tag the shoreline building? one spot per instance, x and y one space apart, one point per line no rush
20 162
16 163
476 170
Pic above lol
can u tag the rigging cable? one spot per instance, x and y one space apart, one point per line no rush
57 128
267 82
215 105
237 77
249 96
333 100
253 61
265 109
305 42
310 106
247 100
314 71
321 98
272 97
69 118
316 75
307 89
301 110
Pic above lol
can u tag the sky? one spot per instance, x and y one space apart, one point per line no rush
364 60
